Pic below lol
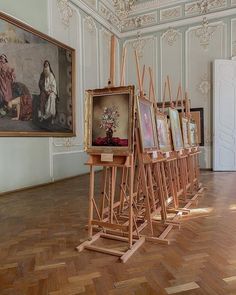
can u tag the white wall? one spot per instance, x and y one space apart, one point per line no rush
31 161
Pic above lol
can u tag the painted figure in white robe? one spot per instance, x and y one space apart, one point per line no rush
48 93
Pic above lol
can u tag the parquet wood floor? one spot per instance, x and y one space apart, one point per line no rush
41 227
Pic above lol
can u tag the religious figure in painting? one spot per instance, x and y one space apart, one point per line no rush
48 93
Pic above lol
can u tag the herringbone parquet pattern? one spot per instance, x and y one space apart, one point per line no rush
41 227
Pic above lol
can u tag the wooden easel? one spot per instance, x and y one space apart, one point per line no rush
193 162
186 162
114 220
152 178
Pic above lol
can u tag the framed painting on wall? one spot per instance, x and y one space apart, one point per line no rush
163 133
110 120
176 129
37 82
147 125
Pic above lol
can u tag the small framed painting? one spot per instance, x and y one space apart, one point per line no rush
110 120
193 133
147 126
163 133
176 129
185 130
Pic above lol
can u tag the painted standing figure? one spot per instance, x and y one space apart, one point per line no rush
7 77
48 93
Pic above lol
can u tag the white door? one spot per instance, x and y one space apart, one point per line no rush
224 116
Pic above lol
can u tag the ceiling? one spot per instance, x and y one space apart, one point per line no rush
154 13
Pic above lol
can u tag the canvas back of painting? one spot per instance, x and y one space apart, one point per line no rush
147 126
163 134
176 129
110 120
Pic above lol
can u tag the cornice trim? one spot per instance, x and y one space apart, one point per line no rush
88 10
179 23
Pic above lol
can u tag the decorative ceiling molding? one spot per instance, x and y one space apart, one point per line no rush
65 10
104 14
179 23
95 14
204 6
139 21
154 4
123 7
110 16
171 13
171 36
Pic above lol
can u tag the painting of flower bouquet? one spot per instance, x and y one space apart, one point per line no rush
110 124
110 120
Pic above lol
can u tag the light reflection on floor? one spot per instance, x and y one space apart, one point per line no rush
201 210
232 207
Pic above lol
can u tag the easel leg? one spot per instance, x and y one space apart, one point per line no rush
91 196
131 182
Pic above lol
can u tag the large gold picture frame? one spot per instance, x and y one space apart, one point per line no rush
110 120
147 126
37 82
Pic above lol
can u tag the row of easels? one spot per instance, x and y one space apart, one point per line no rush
139 196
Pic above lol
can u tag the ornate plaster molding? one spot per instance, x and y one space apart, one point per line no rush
154 4
171 36
204 6
67 142
139 45
65 10
90 24
139 21
109 16
171 13
205 85
205 33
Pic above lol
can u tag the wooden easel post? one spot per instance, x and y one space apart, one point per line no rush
170 94
111 80
138 74
123 63
91 196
